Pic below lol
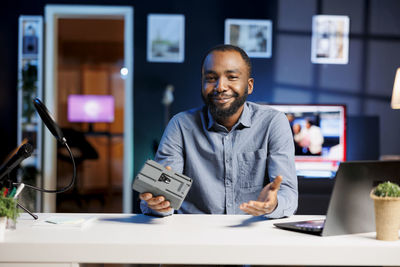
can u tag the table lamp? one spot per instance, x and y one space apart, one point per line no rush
396 91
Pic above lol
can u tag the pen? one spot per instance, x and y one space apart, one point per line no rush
19 189
12 193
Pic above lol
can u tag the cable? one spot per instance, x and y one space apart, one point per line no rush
57 191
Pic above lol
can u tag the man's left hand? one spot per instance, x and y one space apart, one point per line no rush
266 201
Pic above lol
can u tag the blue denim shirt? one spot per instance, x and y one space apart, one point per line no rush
231 167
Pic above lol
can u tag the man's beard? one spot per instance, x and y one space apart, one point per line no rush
220 114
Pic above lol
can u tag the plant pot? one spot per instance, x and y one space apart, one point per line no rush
3 222
387 217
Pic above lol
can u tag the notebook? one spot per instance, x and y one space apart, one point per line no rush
350 208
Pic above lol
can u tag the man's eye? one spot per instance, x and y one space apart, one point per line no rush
233 77
210 79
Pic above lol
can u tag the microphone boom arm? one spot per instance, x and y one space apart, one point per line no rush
57 191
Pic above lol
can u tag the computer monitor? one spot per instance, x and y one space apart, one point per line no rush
90 108
319 133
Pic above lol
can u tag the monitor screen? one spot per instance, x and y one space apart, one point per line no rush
319 135
90 108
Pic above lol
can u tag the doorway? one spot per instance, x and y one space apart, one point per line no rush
90 54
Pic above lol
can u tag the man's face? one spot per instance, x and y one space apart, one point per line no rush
296 128
225 83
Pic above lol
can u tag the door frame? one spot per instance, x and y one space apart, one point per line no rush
52 14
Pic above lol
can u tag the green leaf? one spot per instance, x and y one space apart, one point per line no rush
8 206
387 189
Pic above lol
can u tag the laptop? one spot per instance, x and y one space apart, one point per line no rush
350 210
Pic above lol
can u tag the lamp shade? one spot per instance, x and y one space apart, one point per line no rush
396 91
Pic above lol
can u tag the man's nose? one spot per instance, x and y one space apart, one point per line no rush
221 85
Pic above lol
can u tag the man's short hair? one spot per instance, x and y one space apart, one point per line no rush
228 47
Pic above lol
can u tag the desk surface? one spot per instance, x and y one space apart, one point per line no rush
188 239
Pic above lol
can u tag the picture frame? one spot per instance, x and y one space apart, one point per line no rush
165 38
253 36
330 39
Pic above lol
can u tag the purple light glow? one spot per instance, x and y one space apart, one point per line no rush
90 108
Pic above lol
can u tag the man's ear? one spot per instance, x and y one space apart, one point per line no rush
250 85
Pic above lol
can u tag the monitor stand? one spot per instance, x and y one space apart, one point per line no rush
90 129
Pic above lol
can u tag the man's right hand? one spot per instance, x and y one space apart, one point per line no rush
156 203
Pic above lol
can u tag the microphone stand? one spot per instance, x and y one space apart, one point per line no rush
28 211
56 131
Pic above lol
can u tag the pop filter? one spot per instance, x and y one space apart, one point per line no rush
48 120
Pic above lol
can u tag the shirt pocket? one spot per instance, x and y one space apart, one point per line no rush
252 169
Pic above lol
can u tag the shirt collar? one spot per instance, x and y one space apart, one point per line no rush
244 119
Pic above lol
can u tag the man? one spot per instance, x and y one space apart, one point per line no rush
231 148
310 138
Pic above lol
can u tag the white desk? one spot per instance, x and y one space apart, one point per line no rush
188 239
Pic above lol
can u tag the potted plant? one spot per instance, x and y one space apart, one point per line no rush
8 210
386 198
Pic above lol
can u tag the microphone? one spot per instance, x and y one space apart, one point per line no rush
23 152
48 120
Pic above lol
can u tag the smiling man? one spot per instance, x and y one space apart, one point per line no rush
239 154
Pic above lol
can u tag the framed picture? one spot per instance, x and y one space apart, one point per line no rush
165 38
253 36
330 39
